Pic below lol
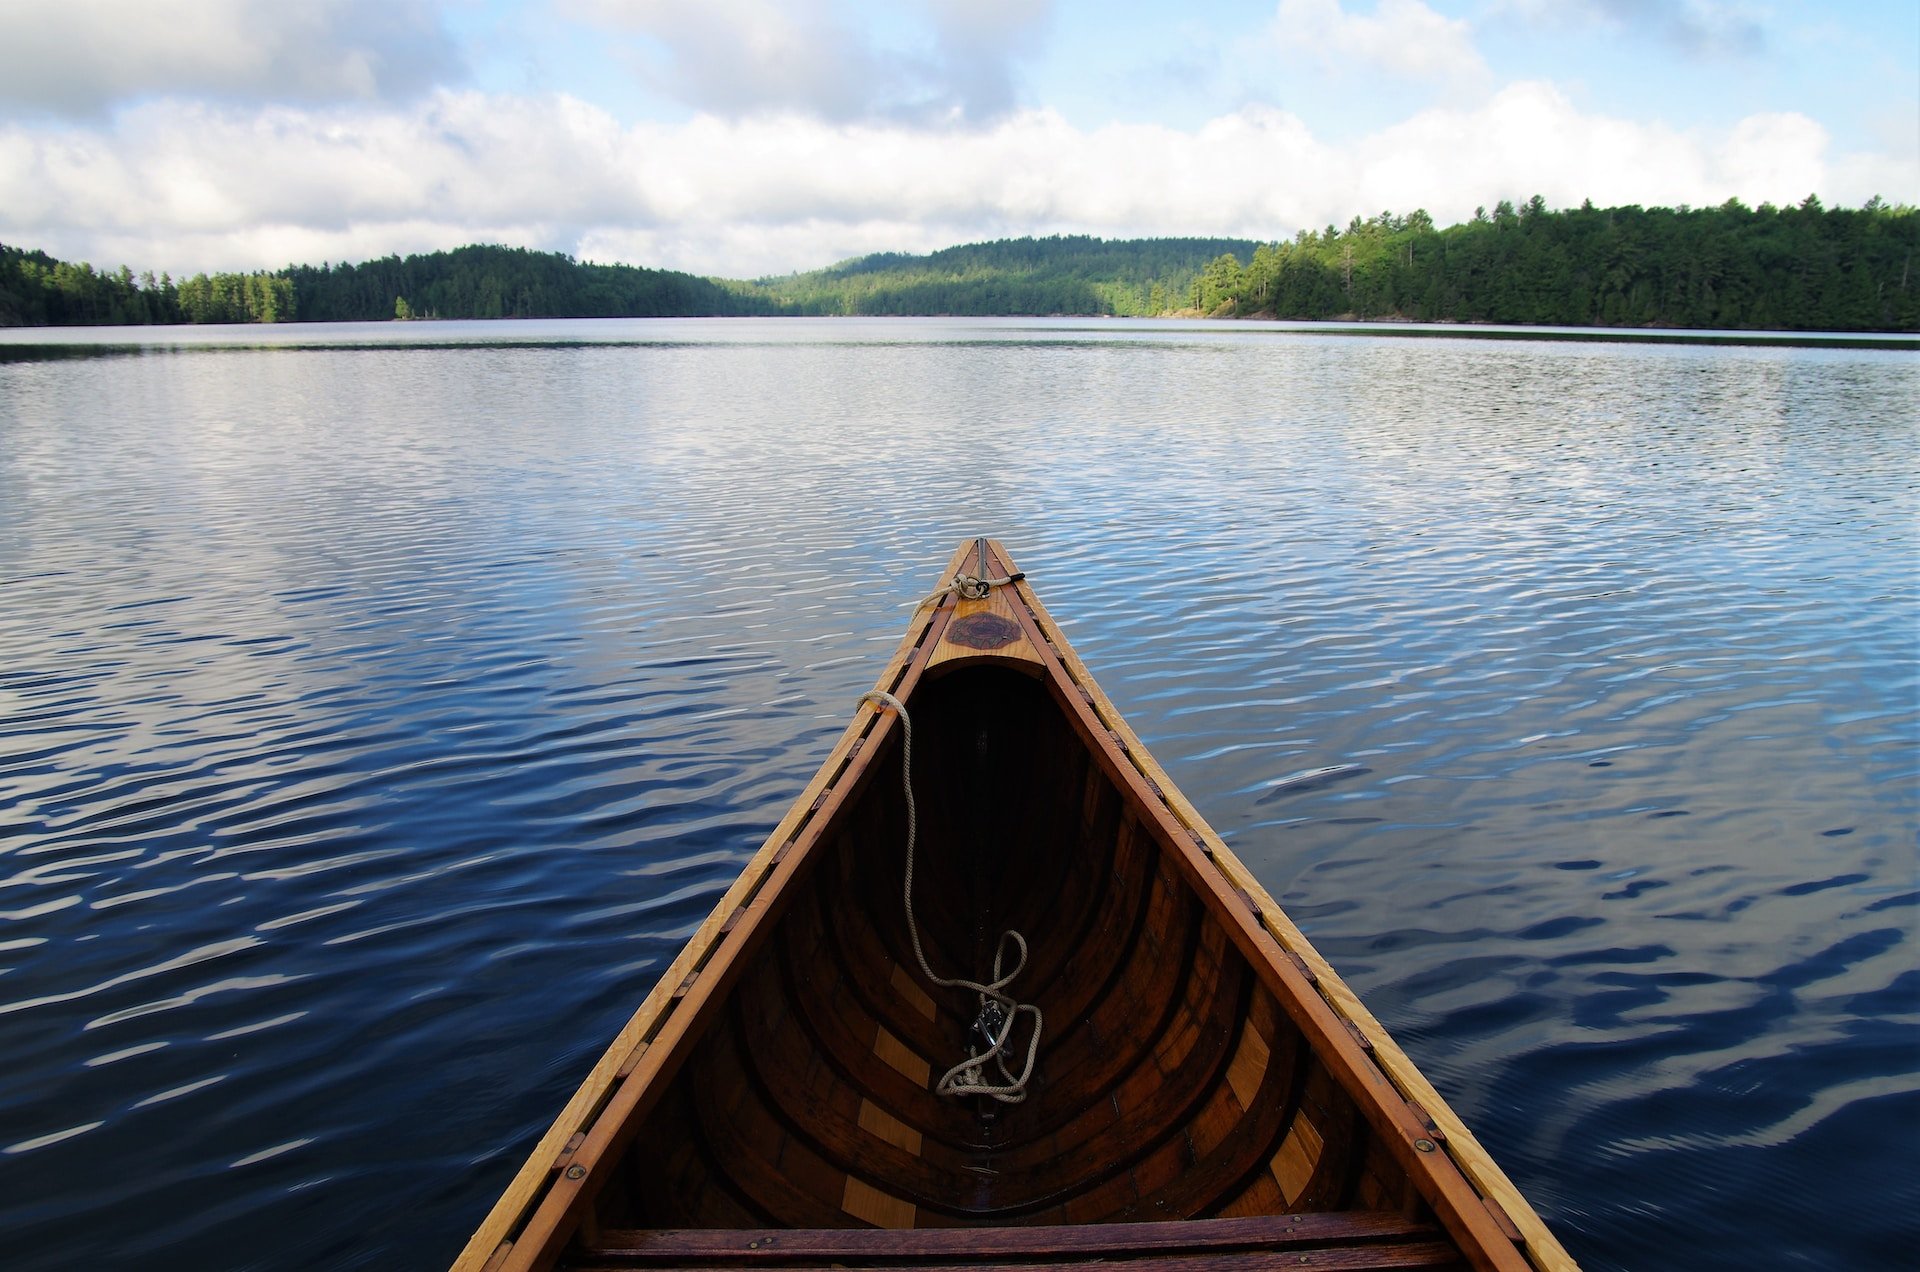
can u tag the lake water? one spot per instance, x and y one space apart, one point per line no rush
382 706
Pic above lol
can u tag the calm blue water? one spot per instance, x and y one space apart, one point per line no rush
381 707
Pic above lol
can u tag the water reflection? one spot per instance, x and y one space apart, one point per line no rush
375 722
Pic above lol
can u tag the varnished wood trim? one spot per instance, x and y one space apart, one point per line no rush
1278 1233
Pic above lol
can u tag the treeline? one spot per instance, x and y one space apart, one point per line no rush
1798 268
1804 268
506 282
469 282
38 291
1063 274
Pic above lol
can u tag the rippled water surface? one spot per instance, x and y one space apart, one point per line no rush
381 707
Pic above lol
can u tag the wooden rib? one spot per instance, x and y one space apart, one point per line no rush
912 1065
1050 1172
1089 1166
1236 1144
835 1121
877 1120
765 1159
858 952
684 1186
838 1030
883 1210
1051 1167
1344 1138
1294 1161
1388 1071
1126 1077
835 1022
914 996
1248 1066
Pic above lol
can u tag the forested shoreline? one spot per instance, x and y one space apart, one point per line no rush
1805 268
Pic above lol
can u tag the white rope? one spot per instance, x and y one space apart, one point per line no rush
967 587
968 1077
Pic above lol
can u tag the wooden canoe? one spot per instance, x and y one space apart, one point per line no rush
1206 1088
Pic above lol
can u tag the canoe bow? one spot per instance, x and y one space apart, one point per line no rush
1448 1176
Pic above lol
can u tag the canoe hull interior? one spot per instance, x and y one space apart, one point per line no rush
808 1102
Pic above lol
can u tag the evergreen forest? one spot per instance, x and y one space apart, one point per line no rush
1074 275
1805 267
504 282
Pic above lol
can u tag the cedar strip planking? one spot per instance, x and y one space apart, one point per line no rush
1244 1149
1127 1005
1151 1102
842 1035
766 1160
938 1178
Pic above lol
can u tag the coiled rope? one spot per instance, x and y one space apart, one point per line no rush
967 587
969 1076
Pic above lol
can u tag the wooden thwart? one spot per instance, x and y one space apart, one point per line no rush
1362 1234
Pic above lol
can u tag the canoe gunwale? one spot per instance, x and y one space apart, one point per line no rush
552 1193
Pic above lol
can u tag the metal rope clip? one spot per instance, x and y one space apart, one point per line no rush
990 1026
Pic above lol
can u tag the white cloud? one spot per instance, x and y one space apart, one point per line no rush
812 57
82 57
977 44
743 56
1400 37
190 187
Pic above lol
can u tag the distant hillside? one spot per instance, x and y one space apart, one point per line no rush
1796 268
1072 274
468 282
505 282
38 291
1804 268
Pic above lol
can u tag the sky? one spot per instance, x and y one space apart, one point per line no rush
745 138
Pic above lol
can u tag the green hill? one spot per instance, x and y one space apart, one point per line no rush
1804 268
505 282
1072 274
1796 268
